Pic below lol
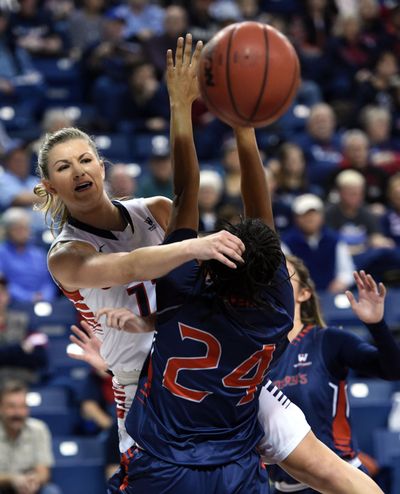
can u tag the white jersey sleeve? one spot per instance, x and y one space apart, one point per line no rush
284 424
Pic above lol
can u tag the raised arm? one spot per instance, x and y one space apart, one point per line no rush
183 90
255 192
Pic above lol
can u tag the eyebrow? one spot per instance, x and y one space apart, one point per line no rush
68 161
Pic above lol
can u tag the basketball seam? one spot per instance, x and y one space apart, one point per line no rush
294 78
228 82
265 75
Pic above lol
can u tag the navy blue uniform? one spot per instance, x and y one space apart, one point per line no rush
312 373
197 400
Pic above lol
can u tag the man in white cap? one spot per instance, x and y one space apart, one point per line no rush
326 256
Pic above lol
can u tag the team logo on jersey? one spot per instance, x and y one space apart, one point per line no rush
151 224
302 360
101 248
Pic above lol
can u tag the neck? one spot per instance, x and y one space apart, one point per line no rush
297 323
105 216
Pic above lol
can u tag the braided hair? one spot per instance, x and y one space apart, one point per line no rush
262 257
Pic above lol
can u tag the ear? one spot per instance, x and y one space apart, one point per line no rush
304 295
48 186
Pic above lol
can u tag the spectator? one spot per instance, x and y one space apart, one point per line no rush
17 183
391 219
210 192
320 248
379 86
53 119
359 228
33 28
85 26
292 177
25 445
356 156
22 263
143 20
23 355
97 407
107 65
21 85
385 152
121 180
159 180
321 144
145 106
175 25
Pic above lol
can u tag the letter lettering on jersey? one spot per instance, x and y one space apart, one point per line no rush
175 364
142 299
237 379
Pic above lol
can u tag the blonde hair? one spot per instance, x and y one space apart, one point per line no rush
310 310
52 205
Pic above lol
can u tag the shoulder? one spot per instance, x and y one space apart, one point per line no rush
37 426
65 254
160 207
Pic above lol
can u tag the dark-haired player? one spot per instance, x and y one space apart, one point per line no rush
194 417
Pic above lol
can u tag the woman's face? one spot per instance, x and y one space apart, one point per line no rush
76 174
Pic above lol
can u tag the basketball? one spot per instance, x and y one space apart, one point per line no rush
248 74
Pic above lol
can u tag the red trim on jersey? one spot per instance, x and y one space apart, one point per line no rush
84 311
302 333
341 430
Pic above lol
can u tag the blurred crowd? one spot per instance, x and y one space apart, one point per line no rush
333 160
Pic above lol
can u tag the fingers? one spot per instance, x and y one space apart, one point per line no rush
350 297
170 60
196 54
382 290
87 327
179 52
187 53
83 336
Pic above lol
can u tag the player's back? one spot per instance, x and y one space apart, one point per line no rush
197 400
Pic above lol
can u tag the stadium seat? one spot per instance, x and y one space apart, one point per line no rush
370 404
53 407
55 318
114 147
337 311
79 465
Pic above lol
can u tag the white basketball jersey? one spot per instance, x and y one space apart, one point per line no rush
124 353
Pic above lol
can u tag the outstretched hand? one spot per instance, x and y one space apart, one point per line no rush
221 246
182 73
90 344
126 320
371 298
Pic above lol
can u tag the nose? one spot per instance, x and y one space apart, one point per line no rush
79 170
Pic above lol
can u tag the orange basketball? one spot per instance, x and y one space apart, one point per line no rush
249 74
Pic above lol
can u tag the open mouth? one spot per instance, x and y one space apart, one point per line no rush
83 186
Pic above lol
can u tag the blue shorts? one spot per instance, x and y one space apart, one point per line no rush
142 473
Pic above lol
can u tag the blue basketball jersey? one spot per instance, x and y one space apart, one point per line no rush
197 398
304 378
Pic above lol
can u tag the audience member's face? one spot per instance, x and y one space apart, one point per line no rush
19 232
161 169
379 129
387 66
18 163
394 195
14 411
294 162
122 184
175 21
142 75
321 124
4 297
356 151
311 222
208 197
352 196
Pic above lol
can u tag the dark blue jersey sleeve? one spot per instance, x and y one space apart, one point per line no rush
342 350
173 288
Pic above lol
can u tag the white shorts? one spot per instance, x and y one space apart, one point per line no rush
284 424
